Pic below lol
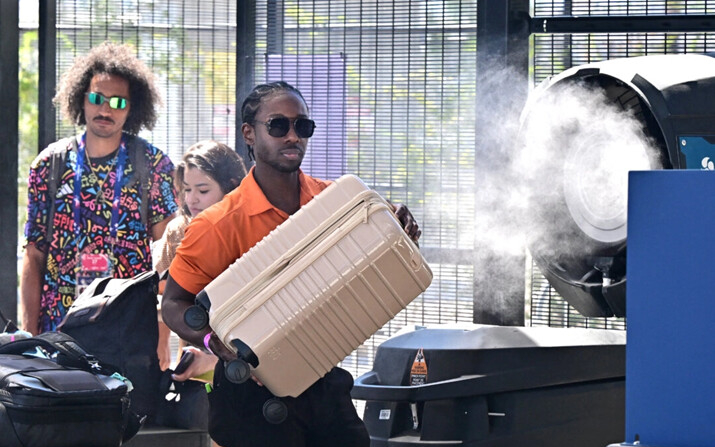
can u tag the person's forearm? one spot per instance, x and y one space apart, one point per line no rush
163 349
30 288
174 303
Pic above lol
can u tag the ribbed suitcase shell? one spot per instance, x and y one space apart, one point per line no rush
318 286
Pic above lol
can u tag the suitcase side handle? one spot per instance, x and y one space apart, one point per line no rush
245 352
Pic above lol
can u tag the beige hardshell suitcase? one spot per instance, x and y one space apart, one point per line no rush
318 286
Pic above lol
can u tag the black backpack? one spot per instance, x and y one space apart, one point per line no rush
62 398
116 320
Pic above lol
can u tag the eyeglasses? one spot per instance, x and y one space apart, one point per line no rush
115 102
279 127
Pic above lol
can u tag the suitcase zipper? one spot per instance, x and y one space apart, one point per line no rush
368 199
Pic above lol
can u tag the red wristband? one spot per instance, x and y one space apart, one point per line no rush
207 337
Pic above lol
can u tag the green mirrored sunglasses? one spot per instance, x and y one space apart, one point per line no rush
115 102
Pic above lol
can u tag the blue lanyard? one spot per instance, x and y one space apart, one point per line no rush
79 165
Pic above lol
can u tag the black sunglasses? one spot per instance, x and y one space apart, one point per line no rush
279 127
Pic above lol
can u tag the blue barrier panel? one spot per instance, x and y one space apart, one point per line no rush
670 353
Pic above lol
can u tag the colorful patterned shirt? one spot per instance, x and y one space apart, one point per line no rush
130 249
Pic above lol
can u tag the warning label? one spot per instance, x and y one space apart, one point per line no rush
418 372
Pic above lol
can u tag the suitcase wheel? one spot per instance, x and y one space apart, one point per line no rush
275 411
237 371
196 318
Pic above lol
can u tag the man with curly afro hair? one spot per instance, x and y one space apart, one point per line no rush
97 200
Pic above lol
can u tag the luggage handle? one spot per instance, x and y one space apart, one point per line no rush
72 354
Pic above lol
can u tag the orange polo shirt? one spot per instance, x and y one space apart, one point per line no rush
223 232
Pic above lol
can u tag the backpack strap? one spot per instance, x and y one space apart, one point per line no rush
138 158
58 156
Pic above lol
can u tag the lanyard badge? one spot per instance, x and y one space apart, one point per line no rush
91 266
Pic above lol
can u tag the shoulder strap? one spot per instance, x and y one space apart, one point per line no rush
58 156
138 158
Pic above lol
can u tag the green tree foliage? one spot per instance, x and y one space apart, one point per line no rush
27 118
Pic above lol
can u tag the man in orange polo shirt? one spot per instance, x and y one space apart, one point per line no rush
276 129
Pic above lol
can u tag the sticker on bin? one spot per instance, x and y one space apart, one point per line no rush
418 373
385 414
